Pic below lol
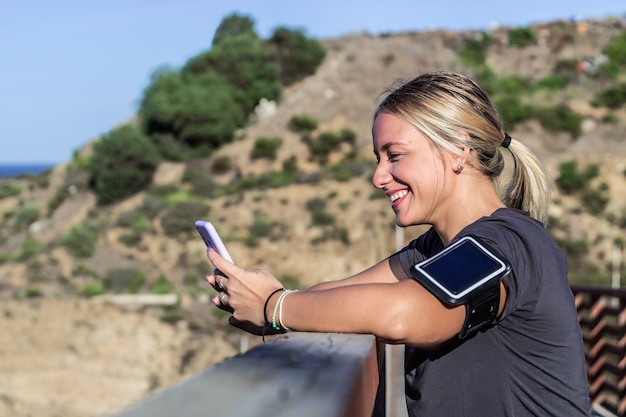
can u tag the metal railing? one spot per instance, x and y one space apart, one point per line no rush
314 374
296 375
602 317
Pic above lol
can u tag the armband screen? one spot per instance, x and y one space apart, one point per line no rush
458 272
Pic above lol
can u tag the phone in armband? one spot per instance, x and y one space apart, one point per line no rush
466 272
212 239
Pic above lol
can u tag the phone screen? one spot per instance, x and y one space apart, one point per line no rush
462 267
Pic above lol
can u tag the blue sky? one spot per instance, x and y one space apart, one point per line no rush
71 70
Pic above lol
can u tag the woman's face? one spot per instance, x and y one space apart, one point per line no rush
410 171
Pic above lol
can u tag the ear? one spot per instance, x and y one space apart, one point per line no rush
459 160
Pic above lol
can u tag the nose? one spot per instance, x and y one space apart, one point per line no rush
381 176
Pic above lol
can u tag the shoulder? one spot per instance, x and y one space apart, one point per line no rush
509 226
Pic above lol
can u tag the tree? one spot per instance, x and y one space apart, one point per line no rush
122 164
297 56
246 62
196 110
234 25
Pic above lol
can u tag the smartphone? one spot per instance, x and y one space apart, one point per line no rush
460 270
212 238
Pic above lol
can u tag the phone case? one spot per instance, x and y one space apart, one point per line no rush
212 238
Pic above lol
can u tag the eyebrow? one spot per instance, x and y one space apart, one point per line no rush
387 145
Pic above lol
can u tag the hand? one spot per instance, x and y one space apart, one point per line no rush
241 291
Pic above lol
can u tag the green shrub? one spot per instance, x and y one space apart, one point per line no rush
135 220
261 225
92 289
122 164
56 200
317 209
612 97
25 216
181 216
566 68
322 146
512 110
559 118
521 37
162 286
594 200
474 52
32 292
570 179
221 165
552 82
615 51
121 280
81 241
200 179
348 169
130 239
9 189
302 124
173 314
512 84
179 196
265 147
151 206
30 248
347 136
82 270
290 166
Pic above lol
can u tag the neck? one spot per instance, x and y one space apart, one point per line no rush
470 203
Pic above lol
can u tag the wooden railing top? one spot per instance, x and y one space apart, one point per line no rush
299 374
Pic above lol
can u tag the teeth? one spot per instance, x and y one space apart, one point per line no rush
398 195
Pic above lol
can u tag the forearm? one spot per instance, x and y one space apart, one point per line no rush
379 273
395 313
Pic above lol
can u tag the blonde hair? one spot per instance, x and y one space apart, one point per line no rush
440 104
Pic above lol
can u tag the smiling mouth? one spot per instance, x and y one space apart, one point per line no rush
396 196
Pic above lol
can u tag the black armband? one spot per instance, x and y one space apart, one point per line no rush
466 272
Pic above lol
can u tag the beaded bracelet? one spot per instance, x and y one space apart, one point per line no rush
275 325
280 309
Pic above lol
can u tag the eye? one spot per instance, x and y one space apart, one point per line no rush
393 156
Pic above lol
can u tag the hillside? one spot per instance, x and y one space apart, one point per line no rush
76 356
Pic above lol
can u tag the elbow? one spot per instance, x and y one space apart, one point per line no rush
403 325
415 335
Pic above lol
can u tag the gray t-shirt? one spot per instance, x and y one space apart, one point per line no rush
531 362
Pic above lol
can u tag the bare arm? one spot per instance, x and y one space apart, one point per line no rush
394 311
378 273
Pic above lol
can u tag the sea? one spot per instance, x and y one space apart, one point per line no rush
15 170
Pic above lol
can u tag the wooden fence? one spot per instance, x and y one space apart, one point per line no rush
602 317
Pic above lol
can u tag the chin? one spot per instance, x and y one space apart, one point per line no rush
402 223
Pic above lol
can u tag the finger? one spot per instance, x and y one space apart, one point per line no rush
224 299
225 267
213 281
221 301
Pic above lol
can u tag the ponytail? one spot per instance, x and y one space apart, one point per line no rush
530 188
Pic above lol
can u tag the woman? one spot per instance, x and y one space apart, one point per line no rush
438 141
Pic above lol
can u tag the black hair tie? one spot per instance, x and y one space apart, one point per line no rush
507 141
